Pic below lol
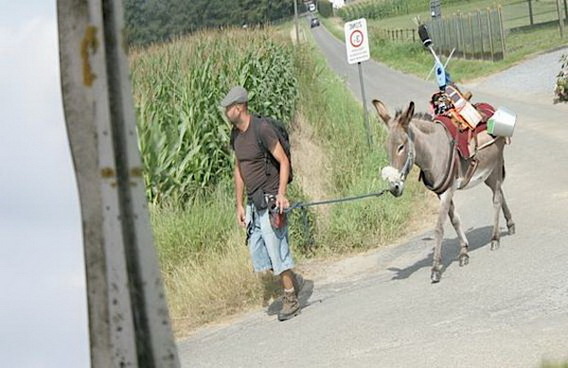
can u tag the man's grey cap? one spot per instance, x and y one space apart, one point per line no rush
236 95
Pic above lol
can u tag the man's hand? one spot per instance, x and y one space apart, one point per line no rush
241 216
282 203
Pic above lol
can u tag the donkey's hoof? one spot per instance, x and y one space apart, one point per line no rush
511 229
495 244
464 260
436 276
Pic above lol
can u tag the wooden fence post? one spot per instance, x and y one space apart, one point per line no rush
501 29
443 35
471 35
438 40
490 35
462 35
560 18
456 34
480 33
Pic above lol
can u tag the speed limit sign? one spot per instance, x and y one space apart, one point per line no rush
357 41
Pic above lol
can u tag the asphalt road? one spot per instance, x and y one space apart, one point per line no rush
507 308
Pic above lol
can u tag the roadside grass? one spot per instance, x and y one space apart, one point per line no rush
205 262
337 119
554 365
414 59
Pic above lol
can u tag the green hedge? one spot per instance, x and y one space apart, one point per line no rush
325 8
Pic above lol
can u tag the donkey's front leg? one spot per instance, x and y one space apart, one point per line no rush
445 201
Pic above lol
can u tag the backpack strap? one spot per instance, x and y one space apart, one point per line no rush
256 129
261 145
233 136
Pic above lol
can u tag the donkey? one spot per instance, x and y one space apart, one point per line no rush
418 140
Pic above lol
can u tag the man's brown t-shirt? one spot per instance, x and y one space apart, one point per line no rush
251 157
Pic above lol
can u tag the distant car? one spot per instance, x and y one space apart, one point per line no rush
314 23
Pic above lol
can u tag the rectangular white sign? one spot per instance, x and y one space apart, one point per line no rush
357 41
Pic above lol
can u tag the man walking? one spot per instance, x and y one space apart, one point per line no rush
263 168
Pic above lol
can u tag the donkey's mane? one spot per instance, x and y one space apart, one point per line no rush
419 115
422 117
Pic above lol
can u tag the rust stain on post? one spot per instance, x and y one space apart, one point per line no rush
89 44
136 172
107 172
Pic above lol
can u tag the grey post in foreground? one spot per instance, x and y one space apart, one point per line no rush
128 316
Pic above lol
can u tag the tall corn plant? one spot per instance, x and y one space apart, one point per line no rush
183 135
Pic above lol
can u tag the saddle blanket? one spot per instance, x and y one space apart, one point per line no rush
466 138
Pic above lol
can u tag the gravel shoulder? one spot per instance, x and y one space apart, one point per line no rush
531 80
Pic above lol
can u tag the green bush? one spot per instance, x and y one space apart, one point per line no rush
561 90
325 8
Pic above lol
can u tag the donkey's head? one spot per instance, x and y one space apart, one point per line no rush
400 146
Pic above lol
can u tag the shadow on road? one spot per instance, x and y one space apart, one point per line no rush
450 251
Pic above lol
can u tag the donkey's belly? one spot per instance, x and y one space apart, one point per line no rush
479 176
488 160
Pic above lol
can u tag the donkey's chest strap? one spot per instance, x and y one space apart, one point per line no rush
451 171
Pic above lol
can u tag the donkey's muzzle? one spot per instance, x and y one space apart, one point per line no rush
394 178
396 188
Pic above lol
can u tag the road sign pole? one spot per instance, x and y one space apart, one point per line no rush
365 110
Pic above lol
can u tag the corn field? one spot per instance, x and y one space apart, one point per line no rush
379 9
182 133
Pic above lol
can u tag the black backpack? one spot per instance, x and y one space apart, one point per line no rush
283 138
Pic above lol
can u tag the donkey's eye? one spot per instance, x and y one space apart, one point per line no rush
400 148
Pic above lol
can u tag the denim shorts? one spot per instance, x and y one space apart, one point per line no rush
268 247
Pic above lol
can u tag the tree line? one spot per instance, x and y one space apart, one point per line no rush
150 21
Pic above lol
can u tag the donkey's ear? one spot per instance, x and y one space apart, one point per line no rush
382 111
407 115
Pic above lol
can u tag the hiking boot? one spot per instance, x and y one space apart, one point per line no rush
290 306
298 282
